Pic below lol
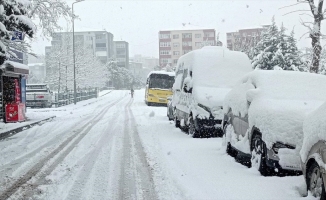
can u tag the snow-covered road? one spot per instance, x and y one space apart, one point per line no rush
115 147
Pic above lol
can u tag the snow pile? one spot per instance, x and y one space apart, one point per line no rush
314 129
217 66
211 72
279 102
237 99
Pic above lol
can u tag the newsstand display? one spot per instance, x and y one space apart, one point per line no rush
13 78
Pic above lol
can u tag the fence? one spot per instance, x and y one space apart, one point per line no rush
66 98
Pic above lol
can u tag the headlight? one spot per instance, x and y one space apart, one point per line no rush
151 95
279 145
204 107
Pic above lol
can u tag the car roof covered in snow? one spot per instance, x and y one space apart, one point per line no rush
294 85
161 72
215 66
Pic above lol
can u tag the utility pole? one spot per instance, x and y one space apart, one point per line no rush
73 48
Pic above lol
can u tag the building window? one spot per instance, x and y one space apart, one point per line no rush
164 60
120 45
187 44
164 36
175 61
186 51
244 34
198 44
88 38
254 34
165 44
186 35
98 37
209 34
100 45
121 59
176 53
176 44
176 36
165 52
197 35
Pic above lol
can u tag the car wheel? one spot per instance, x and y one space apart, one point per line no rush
315 181
176 121
226 140
258 155
192 128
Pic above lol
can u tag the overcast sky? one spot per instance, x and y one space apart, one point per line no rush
138 22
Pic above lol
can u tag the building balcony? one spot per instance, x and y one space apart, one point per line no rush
186 39
165 56
100 49
165 39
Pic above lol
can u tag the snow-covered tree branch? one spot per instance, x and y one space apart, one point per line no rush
48 12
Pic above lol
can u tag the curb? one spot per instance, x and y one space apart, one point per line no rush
14 131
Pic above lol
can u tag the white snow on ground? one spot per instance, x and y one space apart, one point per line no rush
181 167
34 115
187 168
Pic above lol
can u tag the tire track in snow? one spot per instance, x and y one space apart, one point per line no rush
90 159
78 136
136 180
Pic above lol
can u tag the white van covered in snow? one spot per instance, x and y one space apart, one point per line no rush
203 78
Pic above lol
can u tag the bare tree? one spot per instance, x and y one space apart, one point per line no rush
317 13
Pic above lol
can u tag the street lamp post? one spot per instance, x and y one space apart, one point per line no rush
73 48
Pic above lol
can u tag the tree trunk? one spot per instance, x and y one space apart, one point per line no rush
315 41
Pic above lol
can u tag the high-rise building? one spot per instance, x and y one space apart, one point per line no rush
122 53
99 42
244 38
175 43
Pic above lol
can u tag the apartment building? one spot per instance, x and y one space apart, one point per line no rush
244 37
122 53
99 42
175 43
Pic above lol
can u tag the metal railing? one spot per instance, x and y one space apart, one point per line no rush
66 98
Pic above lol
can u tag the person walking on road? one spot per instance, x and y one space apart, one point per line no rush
132 92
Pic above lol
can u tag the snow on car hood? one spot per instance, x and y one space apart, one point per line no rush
281 120
210 96
314 130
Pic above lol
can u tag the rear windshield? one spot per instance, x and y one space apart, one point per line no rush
161 81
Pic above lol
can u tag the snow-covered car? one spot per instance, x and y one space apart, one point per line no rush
203 78
264 114
313 152
169 110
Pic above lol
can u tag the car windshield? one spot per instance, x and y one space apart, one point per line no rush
162 99
161 81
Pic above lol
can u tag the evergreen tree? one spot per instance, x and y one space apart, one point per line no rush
266 48
14 17
279 57
292 56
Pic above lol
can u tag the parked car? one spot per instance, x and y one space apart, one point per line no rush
264 114
203 78
170 113
313 152
38 95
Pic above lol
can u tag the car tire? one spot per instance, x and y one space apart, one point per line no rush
258 155
229 149
192 131
315 183
176 122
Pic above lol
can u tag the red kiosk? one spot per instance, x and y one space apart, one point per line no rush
13 87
